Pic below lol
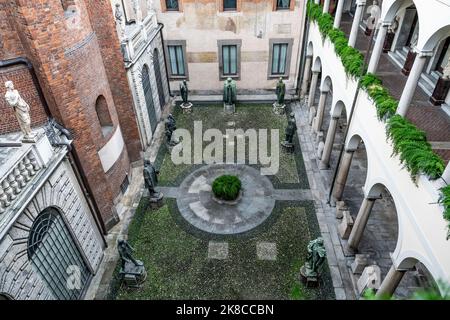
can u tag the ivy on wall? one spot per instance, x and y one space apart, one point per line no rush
409 143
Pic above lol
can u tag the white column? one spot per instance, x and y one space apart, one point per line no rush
378 48
356 20
411 84
317 1
320 110
306 75
360 223
312 89
446 174
342 175
329 141
338 15
390 282
326 6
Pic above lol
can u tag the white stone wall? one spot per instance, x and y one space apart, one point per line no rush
134 73
18 278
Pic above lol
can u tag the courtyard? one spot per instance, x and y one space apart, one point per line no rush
258 255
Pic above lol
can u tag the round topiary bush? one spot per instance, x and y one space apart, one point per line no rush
227 187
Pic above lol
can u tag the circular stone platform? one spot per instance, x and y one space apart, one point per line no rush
196 205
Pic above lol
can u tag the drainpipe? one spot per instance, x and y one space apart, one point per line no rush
165 58
72 154
358 88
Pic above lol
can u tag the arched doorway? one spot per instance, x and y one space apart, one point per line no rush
159 83
54 254
148 94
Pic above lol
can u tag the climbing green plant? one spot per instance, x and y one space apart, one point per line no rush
413 148
444 200
385 104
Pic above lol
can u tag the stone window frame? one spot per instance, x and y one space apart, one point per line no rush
289 42
238 44
164 7
291 6
181 43
221 8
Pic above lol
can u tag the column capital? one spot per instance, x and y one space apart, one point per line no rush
309 56
422 53
350 150
315 71
360 3
385 24
335 118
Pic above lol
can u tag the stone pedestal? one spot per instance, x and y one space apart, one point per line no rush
186 107
133 276
345 227
288 147
279 109
229 108
368 31
360 263
388 42
30 139
340 208
370 279
409 62
440 91
310 282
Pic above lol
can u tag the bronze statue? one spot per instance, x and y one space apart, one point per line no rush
290 130
126 254
229 92
151 181
280 91
315 259
184 91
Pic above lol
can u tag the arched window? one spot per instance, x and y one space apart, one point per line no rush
149 97
159 81
104 117
54 254
4 296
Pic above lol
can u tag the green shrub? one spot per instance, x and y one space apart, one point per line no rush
325 22
227 187
369 79
444 199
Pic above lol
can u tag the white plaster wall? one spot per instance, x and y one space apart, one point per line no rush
111 151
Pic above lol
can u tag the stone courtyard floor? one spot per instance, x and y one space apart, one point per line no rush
218 259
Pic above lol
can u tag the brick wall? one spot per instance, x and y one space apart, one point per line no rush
21 77
77 57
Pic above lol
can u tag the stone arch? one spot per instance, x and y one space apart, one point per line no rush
327 84
317 65
336 110
310 49
391 11
5 296
433 41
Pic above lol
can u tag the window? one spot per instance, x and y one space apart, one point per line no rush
229 5
176 57
229 54
53 252
229 58
279 58
172 5
101 107
283 4
148 94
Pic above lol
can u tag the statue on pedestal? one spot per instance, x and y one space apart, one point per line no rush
21 110
280 90
229 95
184 92
120 21
446 71
170 127
132 271
151 181
290 131
315 259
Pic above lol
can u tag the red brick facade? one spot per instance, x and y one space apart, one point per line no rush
77 58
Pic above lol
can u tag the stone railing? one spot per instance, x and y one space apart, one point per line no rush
137 38
20 168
